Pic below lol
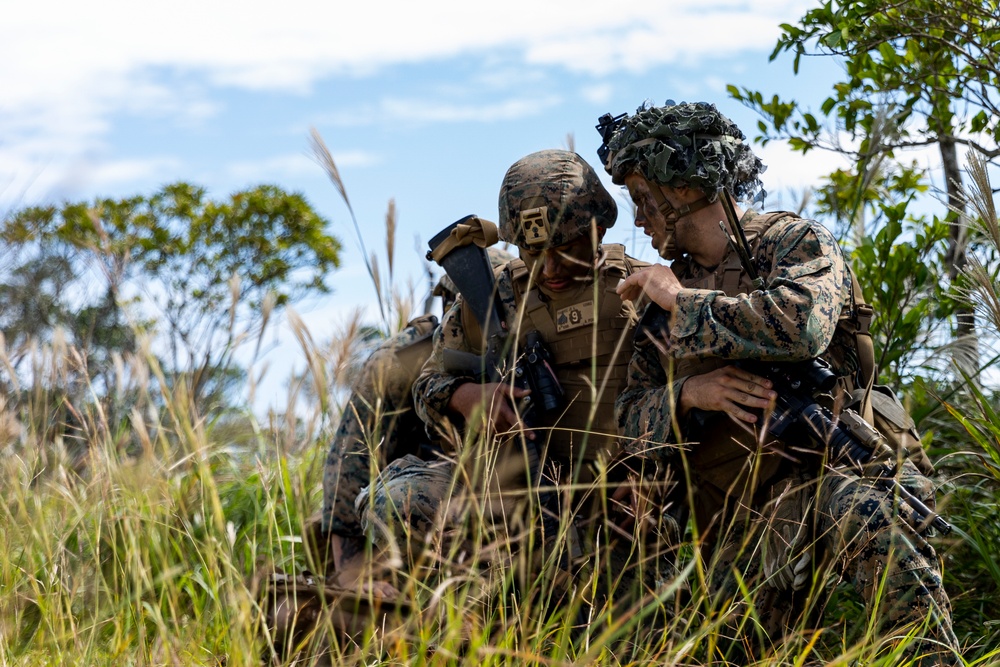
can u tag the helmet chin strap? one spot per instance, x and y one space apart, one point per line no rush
668 211
693 207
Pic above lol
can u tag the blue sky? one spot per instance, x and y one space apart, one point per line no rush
426 103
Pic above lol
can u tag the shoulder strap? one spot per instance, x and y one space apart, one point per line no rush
762 221
733 270
538 314
632 264
472 330
614 256
518 270
857 321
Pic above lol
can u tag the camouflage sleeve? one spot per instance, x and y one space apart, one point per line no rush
793 318
346 470
367 425
645 410
434 387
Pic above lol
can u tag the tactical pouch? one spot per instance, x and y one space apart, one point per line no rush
413 356
890 418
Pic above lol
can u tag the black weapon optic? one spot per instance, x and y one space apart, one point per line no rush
606 125
534 367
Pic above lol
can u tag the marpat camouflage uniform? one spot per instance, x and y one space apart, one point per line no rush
552 206
378 421
379 417
561 441
855 528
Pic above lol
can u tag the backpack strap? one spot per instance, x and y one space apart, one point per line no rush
858 322
754 227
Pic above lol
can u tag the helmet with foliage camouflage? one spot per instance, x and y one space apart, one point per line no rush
550 198
690 144
446 288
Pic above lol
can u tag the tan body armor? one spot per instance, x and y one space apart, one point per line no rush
589 335
730 459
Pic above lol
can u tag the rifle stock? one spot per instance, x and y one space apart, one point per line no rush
469 268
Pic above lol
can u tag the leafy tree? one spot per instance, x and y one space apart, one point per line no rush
202 273
917 73
898 258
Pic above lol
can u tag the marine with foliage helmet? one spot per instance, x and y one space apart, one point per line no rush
776 287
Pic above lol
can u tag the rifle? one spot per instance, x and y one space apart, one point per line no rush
460 249
851 440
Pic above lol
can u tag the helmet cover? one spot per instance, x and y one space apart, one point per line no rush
550 198
687 144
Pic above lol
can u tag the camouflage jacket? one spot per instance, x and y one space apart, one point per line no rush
378 419
587 378
795 317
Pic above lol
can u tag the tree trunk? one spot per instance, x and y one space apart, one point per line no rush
956 204
967 350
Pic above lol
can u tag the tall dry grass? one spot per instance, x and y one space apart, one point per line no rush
137 542
149 558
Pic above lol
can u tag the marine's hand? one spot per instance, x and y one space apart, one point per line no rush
728 389
657 281
496 399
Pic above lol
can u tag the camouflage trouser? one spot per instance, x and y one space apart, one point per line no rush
855 532
407 504
413 503
873 545
423 511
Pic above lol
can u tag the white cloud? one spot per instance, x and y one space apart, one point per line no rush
417 111
790 173
59 49
421 111
294 165
24 178
715 83
68 69
106 174
598 94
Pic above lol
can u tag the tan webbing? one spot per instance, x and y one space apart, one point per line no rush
861 314
481 232
733 271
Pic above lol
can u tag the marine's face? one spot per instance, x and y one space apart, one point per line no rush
656 219
564 267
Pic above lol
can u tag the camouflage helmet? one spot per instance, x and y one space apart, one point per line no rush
550 198
690 144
